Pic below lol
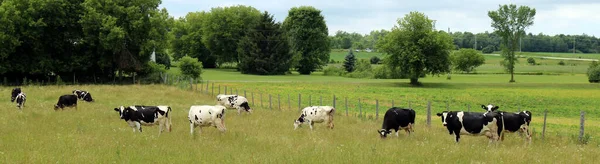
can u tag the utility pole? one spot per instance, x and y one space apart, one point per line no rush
475 47
573 43
520 43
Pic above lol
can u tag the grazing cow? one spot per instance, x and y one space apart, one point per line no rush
234 101
397 118
83 95
206 115
511 122
14 93
315 114
20 100
66 101
139 115
470 123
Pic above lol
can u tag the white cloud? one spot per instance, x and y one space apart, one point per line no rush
553 16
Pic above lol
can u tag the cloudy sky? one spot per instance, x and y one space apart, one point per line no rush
362 16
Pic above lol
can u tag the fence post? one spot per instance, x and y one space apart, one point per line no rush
191 86
309 100
212 92
252 94
230 90
219 89
236 92
582 120
299 101
289 103
359 108
468 107
544 127
392 103
245 93
429 113
447 106
333 101
279 101
376 109
261 102
409 105
207 82
270 107
321 97
346 106
225 89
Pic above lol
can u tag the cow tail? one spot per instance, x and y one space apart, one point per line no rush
169 118
503 127
332 111
412 116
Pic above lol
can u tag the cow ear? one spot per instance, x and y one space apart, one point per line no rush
117 109
484 107
495 108
439 114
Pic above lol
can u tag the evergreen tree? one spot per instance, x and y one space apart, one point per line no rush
350 62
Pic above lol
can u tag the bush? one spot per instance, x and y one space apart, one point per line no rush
531 61
190 67
333 71
152 73
375 60
488 49
561 62
363 70
594 73
466 59
363 65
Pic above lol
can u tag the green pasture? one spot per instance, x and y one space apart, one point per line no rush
94 133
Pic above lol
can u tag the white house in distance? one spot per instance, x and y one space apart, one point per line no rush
368 50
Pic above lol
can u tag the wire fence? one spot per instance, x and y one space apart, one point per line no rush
364 108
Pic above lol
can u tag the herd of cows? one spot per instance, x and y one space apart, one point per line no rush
492 123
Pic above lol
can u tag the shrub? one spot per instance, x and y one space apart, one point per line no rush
152 73
466 59
363 65
333 71
594 73
488 49
190 67
350 62
363 70
375 60
531 61
561 62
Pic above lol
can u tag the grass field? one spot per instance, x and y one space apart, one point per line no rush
94 134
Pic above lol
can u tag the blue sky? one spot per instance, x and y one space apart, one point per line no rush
362 16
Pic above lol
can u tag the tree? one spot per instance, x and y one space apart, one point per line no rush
375 60
510 23
413 48
224 27
350 61
531 61
265 50
307 32
187 39
594 72
488 49
466 59
190 67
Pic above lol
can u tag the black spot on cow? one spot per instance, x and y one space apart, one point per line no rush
196 118
301 118
14 93
209 112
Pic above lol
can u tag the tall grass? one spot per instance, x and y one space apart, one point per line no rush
94 134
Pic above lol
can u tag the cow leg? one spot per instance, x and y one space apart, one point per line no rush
191 128
160 126
239 110
457 133
138 126
311 124
330 122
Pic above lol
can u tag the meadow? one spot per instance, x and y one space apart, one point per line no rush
94 134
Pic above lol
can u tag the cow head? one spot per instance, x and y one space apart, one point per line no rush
383 133
123 111
14 93
443 115
490 107
20 99
88 97
299 121
246 107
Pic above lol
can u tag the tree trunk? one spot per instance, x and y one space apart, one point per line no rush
512 76
414 81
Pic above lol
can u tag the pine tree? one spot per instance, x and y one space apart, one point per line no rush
350 62
264 50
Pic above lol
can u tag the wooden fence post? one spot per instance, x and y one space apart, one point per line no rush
392 103
321 97
261 100
289 103
219 89
245 93
299 102
226 89
346 106
309 100
582 123
236 92
544 127
409 105
333 101
212 92
359 108
447 106
207 82
252 94
279 101
376 109
468 107
191 86
270 102
230 90
429 113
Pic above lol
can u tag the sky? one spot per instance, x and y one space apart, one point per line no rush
573 17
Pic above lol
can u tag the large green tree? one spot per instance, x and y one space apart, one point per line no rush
414 49
224 27
187 39
466 59
265 50
510 22
307 32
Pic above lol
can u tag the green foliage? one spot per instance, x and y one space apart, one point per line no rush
224 27
164 59
308 35
375 60
187 35
466 60
594 72
190 67
59 80
332 70
152 73
488 49
350 62
265 50
415 49
509 22
363 70
531 61
561 62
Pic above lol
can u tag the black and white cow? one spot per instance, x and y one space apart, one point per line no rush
397 119
139 115
206 115
470 123
315 114
234 101
83 95
511 122
21 100
14 93
66 101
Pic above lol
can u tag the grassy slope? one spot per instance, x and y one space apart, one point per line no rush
94 134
